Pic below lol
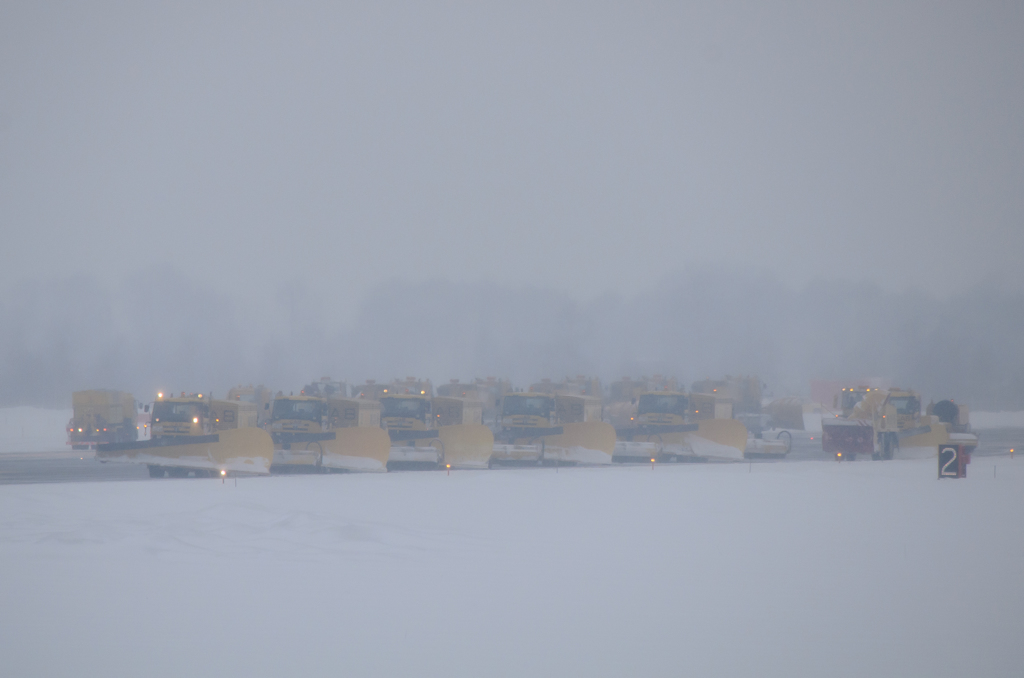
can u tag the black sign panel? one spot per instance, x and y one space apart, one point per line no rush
949 461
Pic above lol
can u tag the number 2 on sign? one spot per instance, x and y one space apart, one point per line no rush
952 458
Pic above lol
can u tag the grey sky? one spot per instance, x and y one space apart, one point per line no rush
578 147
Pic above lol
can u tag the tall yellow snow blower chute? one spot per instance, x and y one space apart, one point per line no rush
545 428
440 432
671 426
101 416
314 434
193 435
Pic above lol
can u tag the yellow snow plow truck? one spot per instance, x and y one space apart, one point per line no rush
552 429
193 435
313 434
672 426
439 432
101 416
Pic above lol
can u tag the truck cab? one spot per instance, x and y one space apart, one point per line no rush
662 408
848 399
901 410
184 416
527 410
407 412
298 414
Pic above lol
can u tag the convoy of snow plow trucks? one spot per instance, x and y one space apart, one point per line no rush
486 423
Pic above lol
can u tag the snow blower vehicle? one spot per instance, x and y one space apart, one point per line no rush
488 391
102 416
552 429
314 434
325 388
850 431
903 432
438 432
675 427
890 425
261 396
197 436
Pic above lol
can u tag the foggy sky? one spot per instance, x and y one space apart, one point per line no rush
231 180
575 145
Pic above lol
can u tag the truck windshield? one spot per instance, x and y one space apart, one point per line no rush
851 398
308 410
663 404
906 404
537 406
409 408
165 411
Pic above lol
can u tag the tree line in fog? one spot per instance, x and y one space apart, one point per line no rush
58 335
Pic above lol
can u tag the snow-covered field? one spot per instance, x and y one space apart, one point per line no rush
32 429
987 420
799 569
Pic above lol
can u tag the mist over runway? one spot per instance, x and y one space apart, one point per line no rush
171 332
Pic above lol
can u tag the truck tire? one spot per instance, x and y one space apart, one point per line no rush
889 447
156 471
788 440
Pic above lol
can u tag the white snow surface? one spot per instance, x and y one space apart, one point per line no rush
787 569
33 429
983 420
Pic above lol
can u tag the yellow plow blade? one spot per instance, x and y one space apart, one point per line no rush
588 442
357 448
466 445
240 450
719 439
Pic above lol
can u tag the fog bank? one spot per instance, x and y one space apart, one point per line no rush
175 333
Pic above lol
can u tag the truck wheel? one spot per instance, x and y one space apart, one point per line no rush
787 438
156 471
888 449
852 456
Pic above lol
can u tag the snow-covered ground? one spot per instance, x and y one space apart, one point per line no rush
987 420
32 429
796 569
